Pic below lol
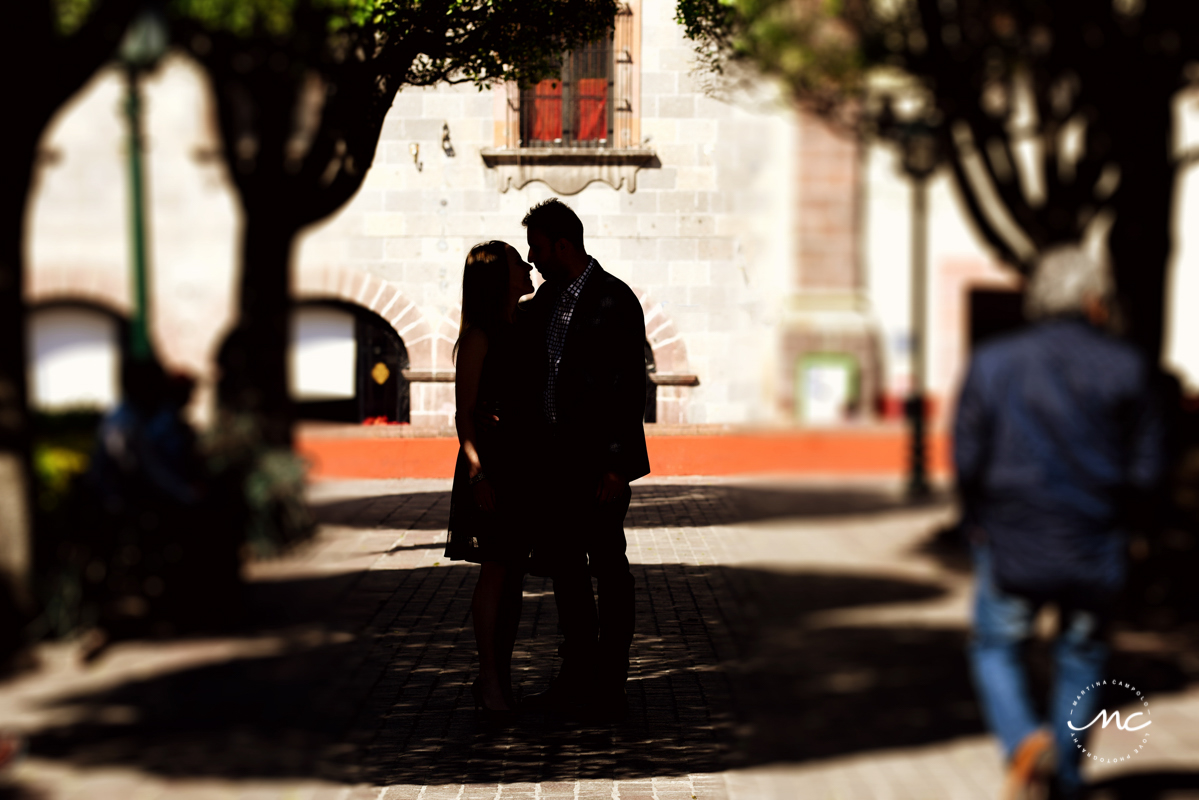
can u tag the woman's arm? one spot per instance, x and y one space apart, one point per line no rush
472 349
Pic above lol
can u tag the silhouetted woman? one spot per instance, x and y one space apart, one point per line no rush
484 507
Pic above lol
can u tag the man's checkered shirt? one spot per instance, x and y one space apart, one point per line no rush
556 337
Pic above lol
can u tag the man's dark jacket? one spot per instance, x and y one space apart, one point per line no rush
1058 429
601 374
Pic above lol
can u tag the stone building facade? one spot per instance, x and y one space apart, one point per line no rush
697 217
770 253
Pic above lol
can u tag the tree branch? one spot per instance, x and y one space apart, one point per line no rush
1003 249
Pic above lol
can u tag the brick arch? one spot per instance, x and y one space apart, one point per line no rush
670 356
426 347
670 353
105 288
670 359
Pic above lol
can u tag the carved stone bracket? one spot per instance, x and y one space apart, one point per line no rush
433 376
427 376
673 380
568 170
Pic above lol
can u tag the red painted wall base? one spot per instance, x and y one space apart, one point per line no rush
878 452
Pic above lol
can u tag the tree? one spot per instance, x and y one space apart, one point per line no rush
302 89
1053 116
52 48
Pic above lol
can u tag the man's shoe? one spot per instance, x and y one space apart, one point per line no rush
1030 772
558 698
12 747
604 707
1058 792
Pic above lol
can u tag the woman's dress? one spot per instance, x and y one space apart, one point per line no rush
477 535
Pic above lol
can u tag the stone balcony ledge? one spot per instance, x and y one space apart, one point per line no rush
568 170
445 376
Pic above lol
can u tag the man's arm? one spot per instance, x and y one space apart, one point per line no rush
971 439
468 371
1147 458
625 455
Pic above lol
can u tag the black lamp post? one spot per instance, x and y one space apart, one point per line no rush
918 140
144 44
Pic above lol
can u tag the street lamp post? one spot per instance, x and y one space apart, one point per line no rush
920 158
917 138
144 44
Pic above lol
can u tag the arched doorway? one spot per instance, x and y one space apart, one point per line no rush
346 364
993 312
74 353
668 377
651 388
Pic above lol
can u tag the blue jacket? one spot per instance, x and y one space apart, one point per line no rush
1058 429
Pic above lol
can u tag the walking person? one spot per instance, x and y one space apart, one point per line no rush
1057 443
587 333
486 506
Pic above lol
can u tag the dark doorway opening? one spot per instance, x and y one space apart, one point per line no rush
379 389
994 312
651 388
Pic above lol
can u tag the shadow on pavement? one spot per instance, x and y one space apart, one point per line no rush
1157 614
419 511
1148 786
368 682
653 506
18 791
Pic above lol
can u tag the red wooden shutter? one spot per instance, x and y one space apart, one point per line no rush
547 110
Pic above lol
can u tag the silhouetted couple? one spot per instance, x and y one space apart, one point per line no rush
550 395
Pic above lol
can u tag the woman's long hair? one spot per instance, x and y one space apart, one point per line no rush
484 287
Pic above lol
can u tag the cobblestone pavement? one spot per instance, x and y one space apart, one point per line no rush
794 639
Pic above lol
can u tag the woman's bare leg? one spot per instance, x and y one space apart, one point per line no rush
485 609
506 625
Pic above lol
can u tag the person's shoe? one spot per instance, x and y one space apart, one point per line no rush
12 747
493 716
1030 772
604 707
1059 792
558 698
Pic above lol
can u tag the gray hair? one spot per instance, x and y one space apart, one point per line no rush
1062 282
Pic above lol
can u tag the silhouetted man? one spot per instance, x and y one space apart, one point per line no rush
587 339
1057 437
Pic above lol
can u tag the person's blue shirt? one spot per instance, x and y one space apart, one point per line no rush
1057 428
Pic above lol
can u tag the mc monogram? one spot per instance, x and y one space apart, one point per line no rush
1125 725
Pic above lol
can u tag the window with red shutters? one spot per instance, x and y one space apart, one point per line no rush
572 110
579 126
591 103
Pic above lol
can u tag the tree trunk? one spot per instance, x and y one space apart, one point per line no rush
16 489
1141 239
254 361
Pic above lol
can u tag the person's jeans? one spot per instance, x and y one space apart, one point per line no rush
1002 624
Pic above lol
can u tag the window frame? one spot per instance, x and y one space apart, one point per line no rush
597 62
623 106
566 167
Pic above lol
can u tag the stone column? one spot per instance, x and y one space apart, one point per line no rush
827 312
